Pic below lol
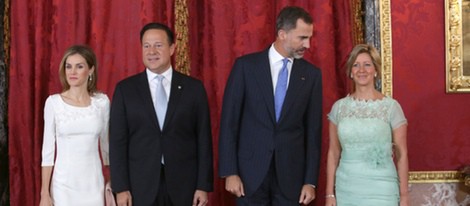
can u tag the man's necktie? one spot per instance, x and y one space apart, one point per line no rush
281 89
161 101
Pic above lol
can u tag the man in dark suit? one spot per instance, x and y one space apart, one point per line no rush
160 135
270 133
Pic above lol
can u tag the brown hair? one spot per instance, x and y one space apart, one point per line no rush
367 49
90 58
288 16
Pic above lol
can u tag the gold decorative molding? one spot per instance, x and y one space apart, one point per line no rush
456 82
435 176
466 173
183 63
386 47
6 35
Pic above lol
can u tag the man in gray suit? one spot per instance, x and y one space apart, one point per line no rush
270 133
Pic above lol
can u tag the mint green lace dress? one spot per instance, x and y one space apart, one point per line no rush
366 174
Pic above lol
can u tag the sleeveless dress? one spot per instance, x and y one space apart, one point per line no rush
366 174
77 177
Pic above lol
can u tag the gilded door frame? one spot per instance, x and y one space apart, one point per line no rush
386 47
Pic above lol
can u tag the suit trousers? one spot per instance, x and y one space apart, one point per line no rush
268 194
163 198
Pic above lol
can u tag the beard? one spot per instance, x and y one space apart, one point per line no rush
298 53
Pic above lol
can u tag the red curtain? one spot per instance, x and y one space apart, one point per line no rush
219 31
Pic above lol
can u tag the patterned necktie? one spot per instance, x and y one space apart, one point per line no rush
281 89
161 101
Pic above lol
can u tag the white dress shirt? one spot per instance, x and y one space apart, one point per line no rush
275 63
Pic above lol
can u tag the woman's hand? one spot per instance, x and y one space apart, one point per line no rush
46 200
330 201
404 201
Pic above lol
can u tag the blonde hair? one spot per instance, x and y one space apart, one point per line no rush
364 49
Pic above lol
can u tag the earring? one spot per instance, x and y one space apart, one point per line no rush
375 75
351 76
90 78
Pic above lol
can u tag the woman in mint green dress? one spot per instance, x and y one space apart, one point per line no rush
367 157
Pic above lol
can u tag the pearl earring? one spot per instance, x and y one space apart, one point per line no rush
89 77
375 75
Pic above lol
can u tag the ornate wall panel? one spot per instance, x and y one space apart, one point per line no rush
385 37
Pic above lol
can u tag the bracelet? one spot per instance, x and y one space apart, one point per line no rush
330 196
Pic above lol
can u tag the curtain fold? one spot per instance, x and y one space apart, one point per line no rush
218 32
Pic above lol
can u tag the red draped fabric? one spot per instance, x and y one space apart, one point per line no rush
219 31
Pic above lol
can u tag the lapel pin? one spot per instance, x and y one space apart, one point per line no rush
179 87
302 78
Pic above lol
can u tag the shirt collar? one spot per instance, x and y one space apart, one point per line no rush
275 56
167 74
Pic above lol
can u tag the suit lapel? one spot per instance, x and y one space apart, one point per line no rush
296 82
144 90
265 82
175 94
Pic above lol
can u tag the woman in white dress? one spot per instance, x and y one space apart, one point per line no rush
76 126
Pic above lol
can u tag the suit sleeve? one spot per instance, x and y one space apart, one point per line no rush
313 134
230 121
205 167
118 143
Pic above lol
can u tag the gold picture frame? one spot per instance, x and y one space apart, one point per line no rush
457 32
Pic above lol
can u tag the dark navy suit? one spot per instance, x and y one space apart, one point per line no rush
250 138
137 143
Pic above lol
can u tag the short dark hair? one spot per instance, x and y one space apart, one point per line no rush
287 18
90 58
159 26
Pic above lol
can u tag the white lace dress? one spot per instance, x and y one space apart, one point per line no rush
77 177
366 174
